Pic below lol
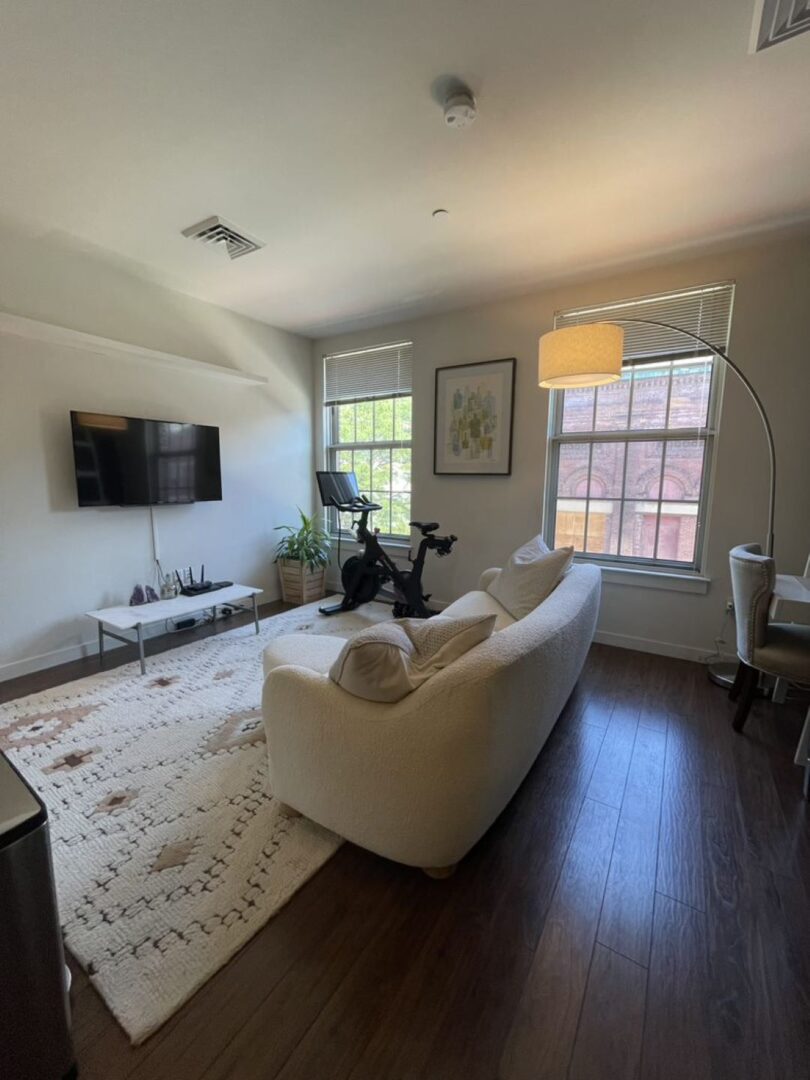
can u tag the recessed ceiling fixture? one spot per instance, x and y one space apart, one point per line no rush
460 109
440 213
216 231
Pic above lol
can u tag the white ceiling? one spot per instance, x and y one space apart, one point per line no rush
606 133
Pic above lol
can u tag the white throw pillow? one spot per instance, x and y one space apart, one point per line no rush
390 660
530 574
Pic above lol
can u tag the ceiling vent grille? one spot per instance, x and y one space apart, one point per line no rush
216 231
779 20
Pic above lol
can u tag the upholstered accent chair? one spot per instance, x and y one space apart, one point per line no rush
781 650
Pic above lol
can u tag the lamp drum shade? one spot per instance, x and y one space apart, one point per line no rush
587 355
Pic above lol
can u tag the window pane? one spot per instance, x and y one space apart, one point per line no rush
345 424
384 420
400 514
381 519
573 470
650 388
401 470
381 470
607 469
402 416
683 470
677 532
643 469
362 466
612 403
578 409
603 526
364 414
570 526
691 383
638 529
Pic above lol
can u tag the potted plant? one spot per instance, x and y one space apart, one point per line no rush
302 557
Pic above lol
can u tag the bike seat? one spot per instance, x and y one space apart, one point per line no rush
425 527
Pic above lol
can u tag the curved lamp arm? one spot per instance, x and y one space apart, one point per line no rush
754 397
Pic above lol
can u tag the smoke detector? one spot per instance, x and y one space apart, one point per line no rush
216 231
459 109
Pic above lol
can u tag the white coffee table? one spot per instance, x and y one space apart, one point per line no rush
136 617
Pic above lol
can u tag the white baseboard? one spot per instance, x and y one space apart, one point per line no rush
50 659
659 648
64 655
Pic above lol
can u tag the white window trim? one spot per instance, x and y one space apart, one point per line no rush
651 579
622 569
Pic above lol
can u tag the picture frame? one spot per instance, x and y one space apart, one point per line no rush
473 417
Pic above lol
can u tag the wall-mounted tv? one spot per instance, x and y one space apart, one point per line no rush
129 461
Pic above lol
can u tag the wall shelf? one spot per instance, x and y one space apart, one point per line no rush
34 330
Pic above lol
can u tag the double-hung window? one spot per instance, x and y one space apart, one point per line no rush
629 463
367 428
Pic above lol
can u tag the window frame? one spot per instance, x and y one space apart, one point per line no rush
331 428
708 434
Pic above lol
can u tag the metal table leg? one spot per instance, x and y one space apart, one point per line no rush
101 644
139 628
256 612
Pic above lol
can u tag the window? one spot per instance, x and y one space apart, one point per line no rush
367 428
630 462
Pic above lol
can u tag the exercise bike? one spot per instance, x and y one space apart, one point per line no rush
365 575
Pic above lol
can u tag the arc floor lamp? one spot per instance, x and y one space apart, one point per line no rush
592 354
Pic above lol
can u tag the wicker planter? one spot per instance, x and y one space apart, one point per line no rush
299 584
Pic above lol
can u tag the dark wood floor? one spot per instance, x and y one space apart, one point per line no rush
640 909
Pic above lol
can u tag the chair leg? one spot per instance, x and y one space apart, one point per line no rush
737 685
747 692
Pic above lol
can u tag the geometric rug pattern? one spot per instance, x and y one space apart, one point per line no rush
169 850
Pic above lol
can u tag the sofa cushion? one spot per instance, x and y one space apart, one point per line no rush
316 651
388 661
478 602
529 576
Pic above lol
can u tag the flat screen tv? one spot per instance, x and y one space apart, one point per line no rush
129 461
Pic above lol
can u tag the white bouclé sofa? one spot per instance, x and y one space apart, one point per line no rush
421 780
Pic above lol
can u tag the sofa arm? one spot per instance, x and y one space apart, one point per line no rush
488 577
379 774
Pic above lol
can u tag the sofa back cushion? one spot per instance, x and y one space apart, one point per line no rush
478 602
529 576
390 660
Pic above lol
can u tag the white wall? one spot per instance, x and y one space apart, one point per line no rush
770 340
57 561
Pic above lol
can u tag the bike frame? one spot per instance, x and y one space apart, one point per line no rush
408 584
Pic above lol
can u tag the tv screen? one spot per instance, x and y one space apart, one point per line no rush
128 461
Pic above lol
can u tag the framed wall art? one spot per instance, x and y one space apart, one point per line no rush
474 410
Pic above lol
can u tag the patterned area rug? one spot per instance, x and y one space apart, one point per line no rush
169 850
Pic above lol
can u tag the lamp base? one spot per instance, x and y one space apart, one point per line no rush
722 673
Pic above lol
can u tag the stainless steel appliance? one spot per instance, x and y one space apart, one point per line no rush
35 1041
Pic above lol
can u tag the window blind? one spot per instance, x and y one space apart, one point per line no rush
379 372
704 310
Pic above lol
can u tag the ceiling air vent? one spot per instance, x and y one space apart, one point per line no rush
216 231
778 20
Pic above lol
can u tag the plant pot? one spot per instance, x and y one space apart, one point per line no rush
299 584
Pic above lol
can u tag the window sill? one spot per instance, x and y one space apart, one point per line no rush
651 579
398 543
